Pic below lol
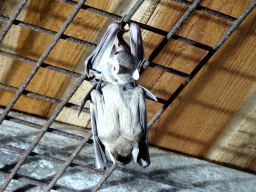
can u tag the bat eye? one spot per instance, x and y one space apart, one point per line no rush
115 68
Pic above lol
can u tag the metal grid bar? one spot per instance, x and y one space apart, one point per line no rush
83 76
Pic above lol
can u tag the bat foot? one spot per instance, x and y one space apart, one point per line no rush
143 163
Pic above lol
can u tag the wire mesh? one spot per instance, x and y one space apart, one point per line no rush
81 77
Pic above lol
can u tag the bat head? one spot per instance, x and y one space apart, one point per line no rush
122 65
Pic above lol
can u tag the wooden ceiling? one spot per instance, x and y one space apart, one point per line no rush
204 120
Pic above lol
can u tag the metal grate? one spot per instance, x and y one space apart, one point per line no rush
81 77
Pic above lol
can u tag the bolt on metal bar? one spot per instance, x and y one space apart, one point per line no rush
12 18
48 32
69 161
104 178
175 28
43 97
203 62
55 160
25 83
38 64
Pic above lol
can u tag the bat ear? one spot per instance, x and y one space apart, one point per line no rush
136 74
136 42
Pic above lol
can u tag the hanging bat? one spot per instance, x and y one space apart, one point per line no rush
117 65
119 124
118 110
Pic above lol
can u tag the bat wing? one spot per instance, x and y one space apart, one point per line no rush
143 158
100 156
103 50
136 42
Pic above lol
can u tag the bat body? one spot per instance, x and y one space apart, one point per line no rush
119 124
118 109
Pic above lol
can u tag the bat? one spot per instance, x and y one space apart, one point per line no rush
118 109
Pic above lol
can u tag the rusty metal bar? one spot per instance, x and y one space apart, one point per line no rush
203 62
43 97
104 178
25 83
12 18
175 28
55 160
